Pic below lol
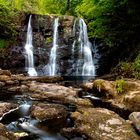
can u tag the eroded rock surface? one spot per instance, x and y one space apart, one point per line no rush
5 134
99 124
127 99
135 118
47 112
5 108
56 93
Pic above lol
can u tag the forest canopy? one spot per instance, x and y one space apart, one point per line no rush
114 22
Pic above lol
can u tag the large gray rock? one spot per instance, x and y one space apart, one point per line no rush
43 112
101 124
135 118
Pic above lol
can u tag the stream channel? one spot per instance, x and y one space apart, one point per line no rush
19 120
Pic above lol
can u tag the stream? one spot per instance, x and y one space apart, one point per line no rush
19 120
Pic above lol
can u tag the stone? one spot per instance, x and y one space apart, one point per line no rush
5 134
17 89
4 78
2 84
43 112
128 100
21 135
132 101
6 107
99 124
135 118
5 72
103 87
56 93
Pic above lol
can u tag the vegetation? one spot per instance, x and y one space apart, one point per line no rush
115 23
121 85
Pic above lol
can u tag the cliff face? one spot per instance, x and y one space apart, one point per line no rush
13 57
42 26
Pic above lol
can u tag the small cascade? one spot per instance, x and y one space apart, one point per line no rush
52 63
29 51
84 64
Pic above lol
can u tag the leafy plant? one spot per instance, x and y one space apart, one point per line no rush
136 66
115 22
121 85
3 43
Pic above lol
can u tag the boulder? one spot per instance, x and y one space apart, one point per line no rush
135 118
5 72
4 78
48 112
100 123
123 97
56 93
5 108
5 134
102 87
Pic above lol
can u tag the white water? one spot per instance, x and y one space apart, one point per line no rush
29 51
52 68
85 53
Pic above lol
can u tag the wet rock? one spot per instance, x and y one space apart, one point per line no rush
5 108
17 89
128 99
135 118
99 123
132 101
5 134
5 72
56 93
103 87
22 135
43 112
4 78
2 84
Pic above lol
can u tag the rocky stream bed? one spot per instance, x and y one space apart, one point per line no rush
48 108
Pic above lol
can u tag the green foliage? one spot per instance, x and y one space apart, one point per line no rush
121 85
115 22
7 25
136 66
46 6
3 43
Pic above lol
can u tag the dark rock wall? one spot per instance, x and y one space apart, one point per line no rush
42 26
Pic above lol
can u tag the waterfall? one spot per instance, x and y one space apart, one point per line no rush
29 51
52 63
84 64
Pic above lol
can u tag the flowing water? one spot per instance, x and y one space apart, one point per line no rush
29 51
53 54
19 120
84 65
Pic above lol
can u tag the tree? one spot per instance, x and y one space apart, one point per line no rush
115 22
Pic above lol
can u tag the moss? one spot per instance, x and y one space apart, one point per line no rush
49 40
99 85
121 85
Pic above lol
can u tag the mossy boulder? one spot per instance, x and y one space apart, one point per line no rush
100 123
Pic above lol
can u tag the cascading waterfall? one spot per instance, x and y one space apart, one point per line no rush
88 67
84 64
29 51
52 63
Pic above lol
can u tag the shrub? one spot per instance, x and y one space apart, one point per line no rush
124 69
121 85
